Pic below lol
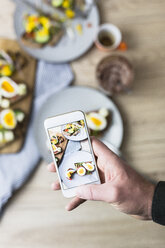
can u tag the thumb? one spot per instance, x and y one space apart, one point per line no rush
91 192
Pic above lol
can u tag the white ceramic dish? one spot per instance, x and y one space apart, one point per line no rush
77 98
67 49
80 136
68 162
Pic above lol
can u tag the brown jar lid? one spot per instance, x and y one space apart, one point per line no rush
115 74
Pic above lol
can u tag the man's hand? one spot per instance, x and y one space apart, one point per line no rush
121 186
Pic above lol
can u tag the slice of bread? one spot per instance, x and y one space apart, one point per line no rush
30 42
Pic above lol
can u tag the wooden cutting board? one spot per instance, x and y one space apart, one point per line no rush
27 74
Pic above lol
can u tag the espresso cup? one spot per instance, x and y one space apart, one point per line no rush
108 37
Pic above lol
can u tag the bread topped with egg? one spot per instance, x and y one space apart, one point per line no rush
11 125
6 64
88 166
11 92
40 30
81 168
11 62
98 121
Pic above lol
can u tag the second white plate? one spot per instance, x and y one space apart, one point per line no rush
77 98
67 49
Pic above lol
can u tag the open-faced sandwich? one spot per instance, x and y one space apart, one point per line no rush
58 143
6 64
11 62
11 92
98 121
81 168
72 129
10 125
69 173
68 6
40 30
84 168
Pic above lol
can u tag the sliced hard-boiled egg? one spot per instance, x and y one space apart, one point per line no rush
5 70
4 103
8 136
70 173
54 140
8 88
56 149
22 89
81 171
19 115
70 13
5 57
44 21
96 121
104 112
8 119
6 64
89 166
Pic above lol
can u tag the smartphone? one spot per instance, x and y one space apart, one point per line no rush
71 150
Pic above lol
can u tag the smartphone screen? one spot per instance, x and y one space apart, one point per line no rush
73 154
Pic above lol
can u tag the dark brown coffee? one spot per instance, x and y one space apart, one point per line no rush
106 38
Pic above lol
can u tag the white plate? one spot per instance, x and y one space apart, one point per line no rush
67 49
68 162
77 98
80 136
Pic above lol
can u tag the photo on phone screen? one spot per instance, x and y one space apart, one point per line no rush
73 154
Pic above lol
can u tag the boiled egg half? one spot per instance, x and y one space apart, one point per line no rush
89 166
8 119
56 149
81 171
96 121
70 173
8 88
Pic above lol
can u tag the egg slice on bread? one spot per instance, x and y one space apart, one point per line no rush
6 64
10 121
10 91
98 121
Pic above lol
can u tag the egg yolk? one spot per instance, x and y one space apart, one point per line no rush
7 87
81 171
6 71
54 147
69 174
43 32
90 167
65 4
44 21
97 122
70 13
9 119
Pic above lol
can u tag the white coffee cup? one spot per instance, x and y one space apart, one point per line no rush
111 31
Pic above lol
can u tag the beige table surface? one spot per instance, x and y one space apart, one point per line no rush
35 217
